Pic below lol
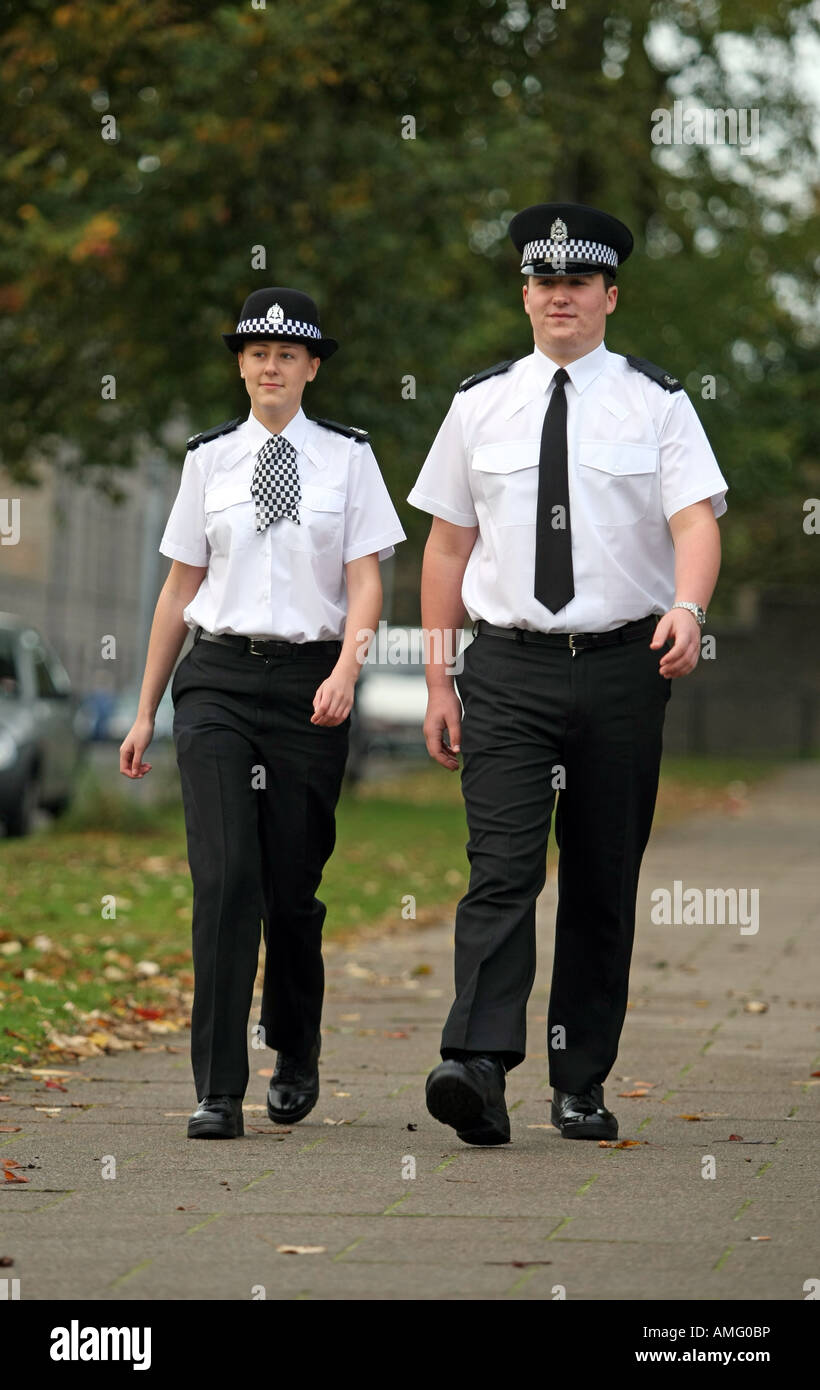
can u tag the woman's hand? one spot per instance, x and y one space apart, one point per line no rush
333 700
134 745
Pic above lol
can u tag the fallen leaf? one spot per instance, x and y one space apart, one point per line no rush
142 1012
633 1095
755 1006
341 1093
689 1117
759 1237
814 1073
269 1129
6 1261
396 1035
737 1136
47 1071
622 1143
265 1071
10 1129
11 1176
538 1126
517 1264
50 1110
55 1086
328 1121
5 1097
301 1249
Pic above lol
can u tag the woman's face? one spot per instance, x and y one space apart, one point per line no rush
275 375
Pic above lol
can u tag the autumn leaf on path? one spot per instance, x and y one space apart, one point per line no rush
301 1249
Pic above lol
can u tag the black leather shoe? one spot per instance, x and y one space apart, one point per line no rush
468 1094
294 1086
217 1117
583 1116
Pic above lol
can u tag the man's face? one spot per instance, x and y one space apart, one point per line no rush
275 375
568 313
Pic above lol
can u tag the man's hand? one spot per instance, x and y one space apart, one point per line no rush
684 629
443 713
333 700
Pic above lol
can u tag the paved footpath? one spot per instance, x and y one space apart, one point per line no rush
535 1219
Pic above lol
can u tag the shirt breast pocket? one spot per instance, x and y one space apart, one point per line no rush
505 476
618 480
321 520
230 517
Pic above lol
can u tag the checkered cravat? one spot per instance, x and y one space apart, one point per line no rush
275 485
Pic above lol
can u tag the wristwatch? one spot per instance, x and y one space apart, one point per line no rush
695 609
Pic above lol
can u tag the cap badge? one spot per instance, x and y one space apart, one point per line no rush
275 314
558 230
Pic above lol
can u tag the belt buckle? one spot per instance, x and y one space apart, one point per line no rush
252 647
571 637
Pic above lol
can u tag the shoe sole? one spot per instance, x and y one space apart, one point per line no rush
483 1137
206 1129
292 1117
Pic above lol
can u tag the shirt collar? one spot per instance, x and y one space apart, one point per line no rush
540 369
257 434
581 372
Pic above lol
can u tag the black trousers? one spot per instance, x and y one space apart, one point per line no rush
538 719
260 785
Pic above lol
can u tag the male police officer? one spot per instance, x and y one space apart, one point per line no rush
575 497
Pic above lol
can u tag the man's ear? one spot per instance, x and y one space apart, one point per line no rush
239 356
315 363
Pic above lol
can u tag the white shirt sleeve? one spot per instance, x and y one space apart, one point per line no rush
184 536
372 525
443 485
689 469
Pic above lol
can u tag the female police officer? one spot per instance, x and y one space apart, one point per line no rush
276 536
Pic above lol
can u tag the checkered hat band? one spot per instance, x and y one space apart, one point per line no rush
290 326
570 250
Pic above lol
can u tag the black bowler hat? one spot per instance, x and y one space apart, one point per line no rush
287 316
569 239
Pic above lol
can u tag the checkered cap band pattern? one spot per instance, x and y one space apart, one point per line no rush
275 484
570 250
289 326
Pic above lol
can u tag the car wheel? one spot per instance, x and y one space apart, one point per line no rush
21 819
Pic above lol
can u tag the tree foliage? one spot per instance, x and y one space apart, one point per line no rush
282 127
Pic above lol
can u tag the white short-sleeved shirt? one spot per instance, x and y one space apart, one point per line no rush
287 582
637 454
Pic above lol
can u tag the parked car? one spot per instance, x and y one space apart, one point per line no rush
40 737
391 698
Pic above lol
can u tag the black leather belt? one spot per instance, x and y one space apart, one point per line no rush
263 646
576 641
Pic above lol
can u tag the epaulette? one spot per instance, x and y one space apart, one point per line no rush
352 431
669 383
207 435
487 372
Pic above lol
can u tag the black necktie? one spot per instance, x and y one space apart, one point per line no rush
553 542
275 484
